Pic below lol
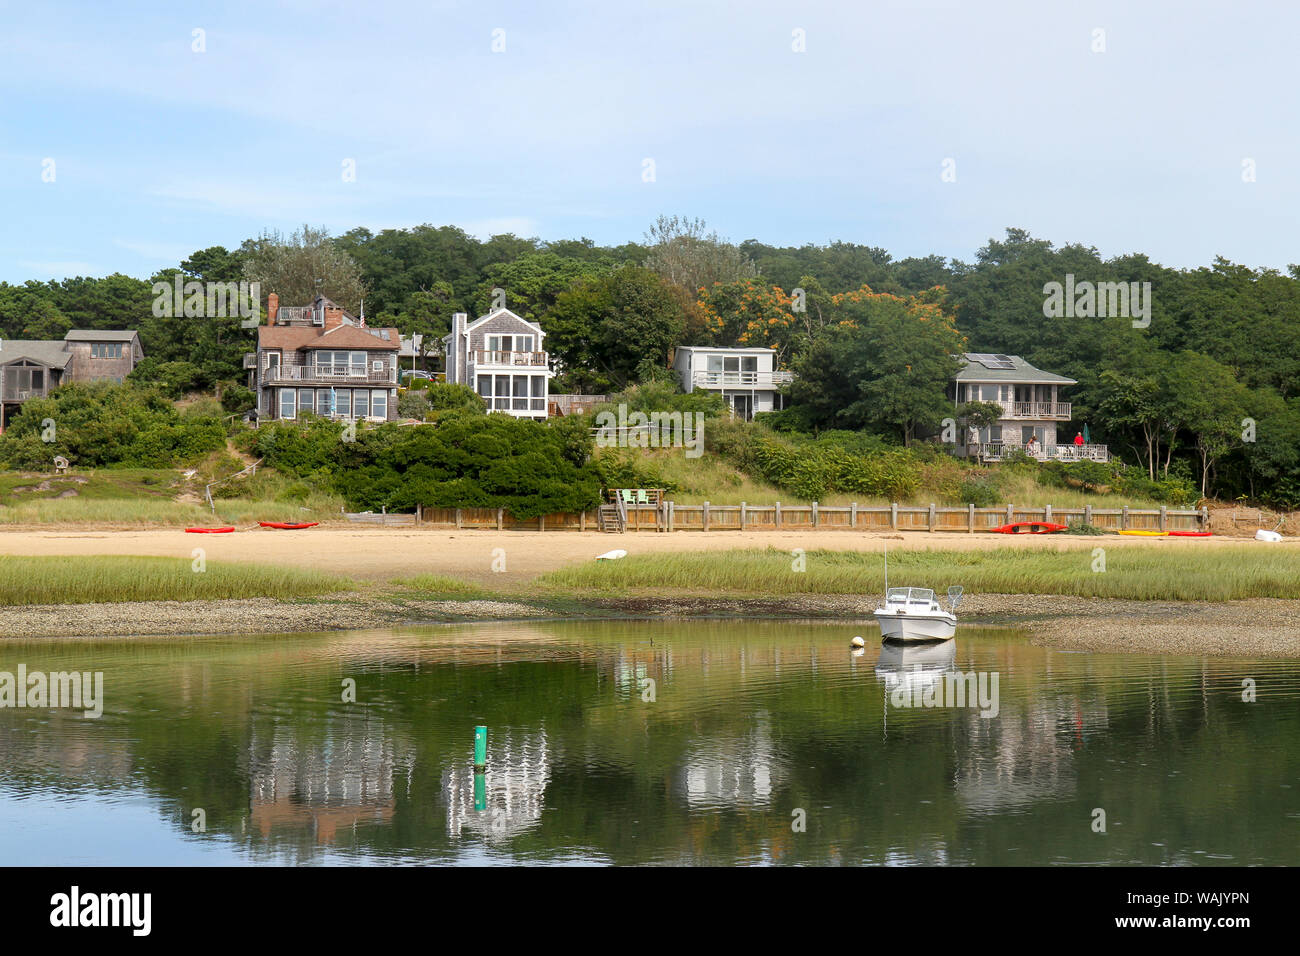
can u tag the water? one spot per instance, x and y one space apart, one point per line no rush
753 728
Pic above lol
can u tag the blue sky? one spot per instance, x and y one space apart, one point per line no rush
159 150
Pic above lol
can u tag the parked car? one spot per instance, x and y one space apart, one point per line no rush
415 373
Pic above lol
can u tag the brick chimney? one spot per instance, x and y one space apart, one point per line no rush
333 317
272 307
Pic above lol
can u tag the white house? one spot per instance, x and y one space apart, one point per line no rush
1031 408
500 356
746 378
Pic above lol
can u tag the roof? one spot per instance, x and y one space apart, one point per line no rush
495 313
995 367
723 348
340 337
46 351
96 335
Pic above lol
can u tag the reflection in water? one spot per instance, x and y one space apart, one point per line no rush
505 801
748 722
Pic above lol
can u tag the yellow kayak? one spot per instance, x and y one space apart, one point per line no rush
1147 534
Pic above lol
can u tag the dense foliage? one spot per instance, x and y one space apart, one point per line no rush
468 461
1208 392
103 424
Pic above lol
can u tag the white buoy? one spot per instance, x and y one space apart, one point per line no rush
858 642
612 555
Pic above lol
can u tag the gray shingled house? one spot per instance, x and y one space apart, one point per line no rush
30 368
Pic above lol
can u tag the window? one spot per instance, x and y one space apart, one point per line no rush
509 343
344 403
358 363
377 366
379 404
749 363
361 399
106 350
503 393
483 385
306 400
539 393
988 393
286 403
521 393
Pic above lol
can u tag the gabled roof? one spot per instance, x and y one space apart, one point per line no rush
46 351
97 335
340 337
989 367
497 313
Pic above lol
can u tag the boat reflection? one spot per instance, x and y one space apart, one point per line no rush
915 666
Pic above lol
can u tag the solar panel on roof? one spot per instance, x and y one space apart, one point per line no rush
991 361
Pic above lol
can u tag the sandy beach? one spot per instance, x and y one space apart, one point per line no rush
384 553
1252 628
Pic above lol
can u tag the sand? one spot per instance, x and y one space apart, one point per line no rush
383 553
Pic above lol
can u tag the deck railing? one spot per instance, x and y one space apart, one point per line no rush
741 379
480 357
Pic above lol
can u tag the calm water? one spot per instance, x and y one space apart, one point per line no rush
752 727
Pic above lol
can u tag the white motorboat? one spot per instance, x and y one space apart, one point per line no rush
913 614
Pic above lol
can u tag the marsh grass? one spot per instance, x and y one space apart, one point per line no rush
438 586
1159 573
95 579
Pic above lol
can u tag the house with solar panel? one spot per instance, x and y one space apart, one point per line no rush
1035 420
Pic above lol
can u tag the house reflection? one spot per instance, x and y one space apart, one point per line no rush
732 771
326 782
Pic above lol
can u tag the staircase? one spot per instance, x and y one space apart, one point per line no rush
611 517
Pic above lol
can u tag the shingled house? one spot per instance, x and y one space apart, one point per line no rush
320 358
31 368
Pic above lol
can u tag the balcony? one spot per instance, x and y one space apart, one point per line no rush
327 375
996 450
16 393
483 358
1052 411
741 379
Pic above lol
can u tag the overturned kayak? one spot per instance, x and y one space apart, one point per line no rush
1190 534
209 530
289 525
1029 527
1145 534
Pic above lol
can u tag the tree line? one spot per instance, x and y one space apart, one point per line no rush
1206 389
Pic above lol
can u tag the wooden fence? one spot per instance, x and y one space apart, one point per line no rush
669 516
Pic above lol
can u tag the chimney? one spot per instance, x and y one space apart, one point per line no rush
272 307
457 360
333 317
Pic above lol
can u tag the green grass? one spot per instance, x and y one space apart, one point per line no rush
1135 573
84 580
112 511
436 587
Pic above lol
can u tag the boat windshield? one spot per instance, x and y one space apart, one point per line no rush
909 596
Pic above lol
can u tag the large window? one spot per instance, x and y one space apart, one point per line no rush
361 403
539 393
306 400
106 350
509 343
379 404
343 407
287 409
340 363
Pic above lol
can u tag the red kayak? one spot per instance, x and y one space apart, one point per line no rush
288 525
1029 527
208 530
1190 534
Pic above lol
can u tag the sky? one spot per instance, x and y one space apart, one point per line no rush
133 133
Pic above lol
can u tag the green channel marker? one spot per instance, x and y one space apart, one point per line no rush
480 748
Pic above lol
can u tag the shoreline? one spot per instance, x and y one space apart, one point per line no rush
1258 627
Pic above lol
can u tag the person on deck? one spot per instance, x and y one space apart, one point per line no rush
1078 440
1031 446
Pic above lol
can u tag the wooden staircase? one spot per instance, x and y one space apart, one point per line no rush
611 517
